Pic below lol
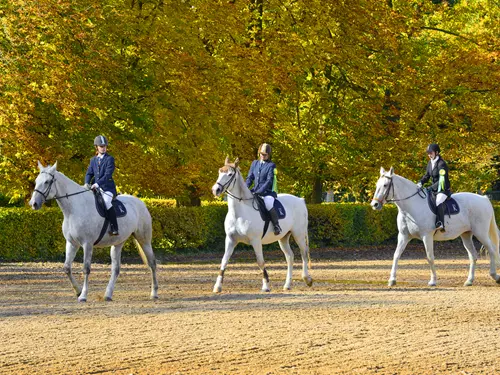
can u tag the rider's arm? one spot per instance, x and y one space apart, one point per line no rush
90 173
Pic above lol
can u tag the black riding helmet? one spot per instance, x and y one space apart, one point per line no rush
433 147
100 140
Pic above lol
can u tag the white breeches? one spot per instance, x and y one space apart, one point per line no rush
269 202
107 197
440 198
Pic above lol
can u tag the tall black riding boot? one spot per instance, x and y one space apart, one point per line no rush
113 222
274 220
440 217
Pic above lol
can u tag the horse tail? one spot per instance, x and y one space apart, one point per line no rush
141 251
495 237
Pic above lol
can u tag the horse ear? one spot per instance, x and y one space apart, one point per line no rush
382 171
227 160
40 166
236 162
391 172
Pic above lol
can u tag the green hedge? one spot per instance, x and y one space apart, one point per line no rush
27 235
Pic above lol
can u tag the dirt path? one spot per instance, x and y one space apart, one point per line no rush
349 322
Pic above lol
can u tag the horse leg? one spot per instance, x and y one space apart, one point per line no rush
485 240
87 258
287 250
70 257
115 253
471 250
230 245
402 242
257 247
302 241
147 249
429 250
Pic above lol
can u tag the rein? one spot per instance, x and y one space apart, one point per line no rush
391 186
47 191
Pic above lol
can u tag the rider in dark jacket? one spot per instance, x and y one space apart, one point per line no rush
435 168
261 174
100 171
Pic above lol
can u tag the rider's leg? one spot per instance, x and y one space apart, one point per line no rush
269 202
113 221
440 211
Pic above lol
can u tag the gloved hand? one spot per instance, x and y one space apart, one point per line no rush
95 186
87 186
419 185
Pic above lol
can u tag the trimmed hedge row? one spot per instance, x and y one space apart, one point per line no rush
27 235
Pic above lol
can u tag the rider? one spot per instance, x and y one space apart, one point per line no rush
101 169
435 168
262 175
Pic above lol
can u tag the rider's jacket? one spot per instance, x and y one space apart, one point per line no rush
434 174
262 175
101 170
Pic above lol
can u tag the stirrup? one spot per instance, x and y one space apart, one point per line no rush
440 226
277 230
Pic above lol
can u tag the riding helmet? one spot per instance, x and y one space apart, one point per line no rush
433 147
100 140
265 149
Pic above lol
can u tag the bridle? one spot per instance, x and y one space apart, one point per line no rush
46 193
391 186
226 186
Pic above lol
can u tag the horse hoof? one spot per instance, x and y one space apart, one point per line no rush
497 280
308 280
391 283
431 284
108 299
266 290
287 288
154 298
217 289
82 299
468 283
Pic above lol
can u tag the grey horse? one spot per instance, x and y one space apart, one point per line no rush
82 226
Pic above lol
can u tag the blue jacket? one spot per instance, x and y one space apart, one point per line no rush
262 175
102 173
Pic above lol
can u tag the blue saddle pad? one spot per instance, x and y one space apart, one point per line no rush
451 206
279 209
117 205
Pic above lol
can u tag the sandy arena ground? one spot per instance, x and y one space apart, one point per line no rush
349 322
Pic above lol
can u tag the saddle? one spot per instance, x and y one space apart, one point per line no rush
264 213
451 206
100 206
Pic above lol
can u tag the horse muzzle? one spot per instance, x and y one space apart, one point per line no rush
376 205
216 190
35 204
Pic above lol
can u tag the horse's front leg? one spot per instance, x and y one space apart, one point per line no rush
402 242
287 250
429 249
257 246
70 257
230 245
87 258
115 252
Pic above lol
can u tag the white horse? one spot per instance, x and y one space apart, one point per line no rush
243 223
82 226
416 220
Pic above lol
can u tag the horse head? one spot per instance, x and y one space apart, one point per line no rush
44 186
227 174
383 187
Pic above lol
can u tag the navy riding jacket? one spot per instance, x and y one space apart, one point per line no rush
102 173
434 174
262 176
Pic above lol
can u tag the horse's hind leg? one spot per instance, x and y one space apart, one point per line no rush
257 246
485 240
87 258
287 250
70 257
471 250
302 240
148 257
115 252
229 248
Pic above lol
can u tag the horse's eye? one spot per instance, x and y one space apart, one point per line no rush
385 185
